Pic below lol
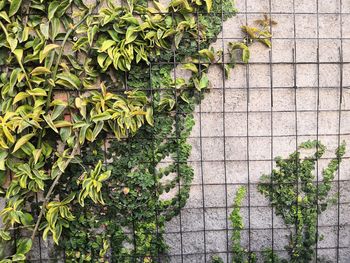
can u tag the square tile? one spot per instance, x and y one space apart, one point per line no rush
236 149
306 26
306 50
260 99
283 146
232 26
329 26
305 6
259 124
329 50
259 76
281 50
283 76
284 123
328 122
214 196
257 6
259 148
212 124
329 6
215 218
306 75
237 78
216 241
285 26
329 99
306 99
192 220
213 172
236 172
345 26
284 99
195 199
235 124
235 100
212 149
213 101
307 123
193 242
259 168
285 6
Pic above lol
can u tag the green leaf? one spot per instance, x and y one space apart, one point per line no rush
130 35
101 117
43 54
14 77
57 111
23 140
107 44
44 29
26 219
12 42
14 6
5 235
68 80
204 81
55 28
98 128
190 66
40 71
208 54
245 55
37 92
19 54
4 16
3 156
18 257
49 122
178 38
52 9
149 116
209 4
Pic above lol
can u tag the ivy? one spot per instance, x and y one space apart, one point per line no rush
90 169
298 199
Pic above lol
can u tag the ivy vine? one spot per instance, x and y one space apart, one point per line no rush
298 197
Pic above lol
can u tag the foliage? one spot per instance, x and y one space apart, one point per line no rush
261 34
298 199
239 254
100 58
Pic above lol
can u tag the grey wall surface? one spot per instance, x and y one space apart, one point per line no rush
259 114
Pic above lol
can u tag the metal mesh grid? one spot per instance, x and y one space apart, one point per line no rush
248 120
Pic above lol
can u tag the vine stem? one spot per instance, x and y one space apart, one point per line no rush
54 73
76 146
52 187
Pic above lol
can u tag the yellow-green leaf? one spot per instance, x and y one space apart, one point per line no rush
49 121
40 71
14 6
43 54
69 80
23 140
209 4
190 66
37 92
107 44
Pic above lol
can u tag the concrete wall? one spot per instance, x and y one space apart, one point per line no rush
238 131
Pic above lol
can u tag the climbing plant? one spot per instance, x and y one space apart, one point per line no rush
94 122
98 54
299 198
